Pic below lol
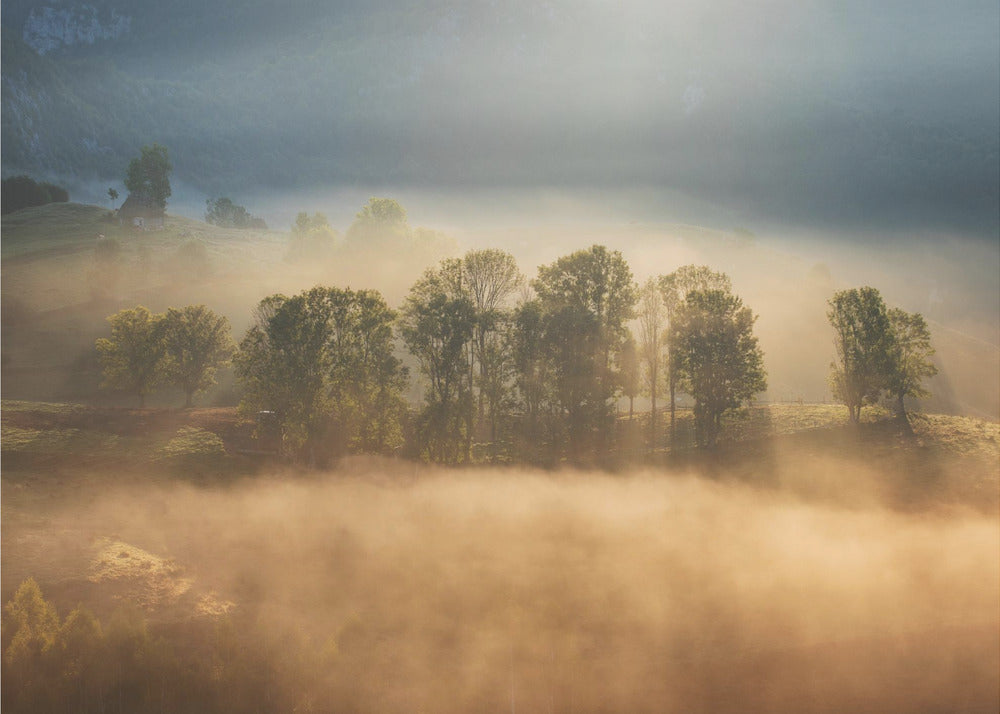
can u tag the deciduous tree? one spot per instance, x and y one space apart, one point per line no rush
863 339
675 288
197 342
716 356
148 175
437 324
134 357
586 298
910 355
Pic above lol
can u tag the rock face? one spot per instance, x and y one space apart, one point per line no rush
51 28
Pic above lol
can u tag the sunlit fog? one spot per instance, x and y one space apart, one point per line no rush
500 356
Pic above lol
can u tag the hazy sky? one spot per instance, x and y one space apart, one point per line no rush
855 115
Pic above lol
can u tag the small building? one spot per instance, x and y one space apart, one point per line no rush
141 212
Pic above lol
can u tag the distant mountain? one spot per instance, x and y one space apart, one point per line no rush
799 117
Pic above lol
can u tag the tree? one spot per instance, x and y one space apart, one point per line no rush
19 192
312 239
323 361
910 355
437 324
112 195
366 379
652 322
490 277
863 342
628 371
381 221
586 298
675 288
226 214
134 356
197 342
717 357
148 175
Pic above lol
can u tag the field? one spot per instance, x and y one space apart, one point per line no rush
804 566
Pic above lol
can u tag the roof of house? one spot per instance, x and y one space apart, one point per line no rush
139 206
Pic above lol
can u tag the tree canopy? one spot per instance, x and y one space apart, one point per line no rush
717 356
226 214
197 342
148 175
133 357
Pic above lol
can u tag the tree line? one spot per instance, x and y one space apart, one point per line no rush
509 368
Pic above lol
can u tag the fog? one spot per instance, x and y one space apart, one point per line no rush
391 587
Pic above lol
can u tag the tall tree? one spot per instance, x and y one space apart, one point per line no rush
324 362
717 357
148 175
437 323
134 356
629 372
675 288
652 325
586 299
863 338
367 379
283 363
910 355
490 277
197 342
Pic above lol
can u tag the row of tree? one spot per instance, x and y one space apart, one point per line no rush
19 192
529 369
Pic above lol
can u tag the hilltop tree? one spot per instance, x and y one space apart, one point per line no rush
148 175
675 288
312 239
381 221
226 214
910 355
19 192
197 342
134 357
716 356
863 342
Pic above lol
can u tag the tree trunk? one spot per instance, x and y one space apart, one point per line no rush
142 400
652 418
189 401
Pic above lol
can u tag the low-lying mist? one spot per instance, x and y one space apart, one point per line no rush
388 587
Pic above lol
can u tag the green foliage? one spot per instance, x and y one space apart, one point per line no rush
312 239
437 324
862 339
716 356
585 300
19 192
196 343
192 444
226 214
674 289
134 357
381 222
910 355
323 361
148 175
